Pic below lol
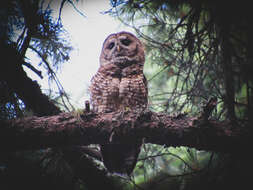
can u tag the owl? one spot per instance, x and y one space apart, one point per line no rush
118 86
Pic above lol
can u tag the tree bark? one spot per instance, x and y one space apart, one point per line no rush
67 130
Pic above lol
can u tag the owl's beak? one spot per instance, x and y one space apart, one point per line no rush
118 48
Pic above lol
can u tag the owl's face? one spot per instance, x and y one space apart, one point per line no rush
122 49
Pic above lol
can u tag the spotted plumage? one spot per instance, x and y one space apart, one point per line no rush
120 85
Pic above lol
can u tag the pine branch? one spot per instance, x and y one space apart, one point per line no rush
66 130
26 89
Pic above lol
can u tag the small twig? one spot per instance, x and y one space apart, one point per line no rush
55 78
168 153
77 10
159 72
87 106
33 69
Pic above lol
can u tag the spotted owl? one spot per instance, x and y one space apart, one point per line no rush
120 85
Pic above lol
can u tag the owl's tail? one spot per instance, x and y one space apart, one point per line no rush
120 158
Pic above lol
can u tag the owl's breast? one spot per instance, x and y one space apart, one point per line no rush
133 92
114 87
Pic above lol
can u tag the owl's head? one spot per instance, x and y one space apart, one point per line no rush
122 49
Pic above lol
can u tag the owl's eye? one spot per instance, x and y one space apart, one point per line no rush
111 45
126 42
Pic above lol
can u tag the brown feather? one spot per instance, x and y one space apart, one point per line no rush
120 85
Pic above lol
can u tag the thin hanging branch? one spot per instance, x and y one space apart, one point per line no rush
36 71
55 78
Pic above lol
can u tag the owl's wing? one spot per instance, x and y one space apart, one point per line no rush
95 91
104 90
145 81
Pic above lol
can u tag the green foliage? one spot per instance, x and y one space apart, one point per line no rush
29 26
191 55
163 168
180 72
195 50
10 106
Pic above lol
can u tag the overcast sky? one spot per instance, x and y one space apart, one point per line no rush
87 36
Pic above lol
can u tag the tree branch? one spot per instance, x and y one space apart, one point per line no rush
28 65
27 90
67 130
